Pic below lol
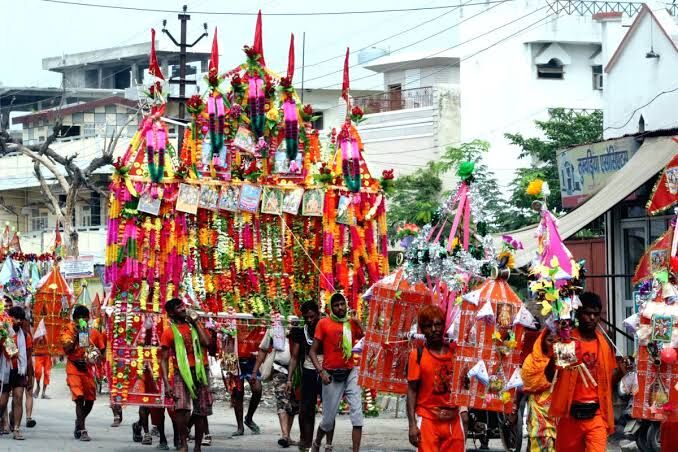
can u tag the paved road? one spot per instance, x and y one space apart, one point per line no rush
55 420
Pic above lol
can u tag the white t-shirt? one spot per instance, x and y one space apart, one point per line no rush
282 358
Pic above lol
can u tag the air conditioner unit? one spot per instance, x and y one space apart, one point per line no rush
598 81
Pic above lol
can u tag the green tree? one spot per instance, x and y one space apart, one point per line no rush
418 196
563 129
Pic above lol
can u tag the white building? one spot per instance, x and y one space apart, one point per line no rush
642 85
506 66
416 116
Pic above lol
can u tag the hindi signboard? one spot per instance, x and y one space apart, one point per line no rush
80 267
583 170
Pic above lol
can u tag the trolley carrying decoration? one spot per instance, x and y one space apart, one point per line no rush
487 370
656 330
394 304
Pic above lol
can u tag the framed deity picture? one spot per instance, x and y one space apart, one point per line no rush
148 204
565 354
344 212
187 199
209 197
313 202
229 197
245 140
272 201
659 260
249 198
505 314
662 327
292 200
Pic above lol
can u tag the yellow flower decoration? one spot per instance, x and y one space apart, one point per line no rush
273 114
545 307
496 336
534 187
505 397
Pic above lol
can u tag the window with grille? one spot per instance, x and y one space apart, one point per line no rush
39 219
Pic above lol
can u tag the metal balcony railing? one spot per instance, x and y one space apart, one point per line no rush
396 100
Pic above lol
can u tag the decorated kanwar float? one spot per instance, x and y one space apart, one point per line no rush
654 385
249 219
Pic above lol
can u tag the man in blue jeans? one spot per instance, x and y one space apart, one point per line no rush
337 334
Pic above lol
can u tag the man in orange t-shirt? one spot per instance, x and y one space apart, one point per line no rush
80 344
585 412
435 423
337 335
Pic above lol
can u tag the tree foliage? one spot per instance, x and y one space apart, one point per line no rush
563 129
418 196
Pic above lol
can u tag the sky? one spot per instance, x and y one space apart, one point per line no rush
40 29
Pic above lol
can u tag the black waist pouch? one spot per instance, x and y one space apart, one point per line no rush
584 411
339 375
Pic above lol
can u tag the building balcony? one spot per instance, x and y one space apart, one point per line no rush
396 100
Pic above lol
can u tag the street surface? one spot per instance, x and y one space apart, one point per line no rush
55 419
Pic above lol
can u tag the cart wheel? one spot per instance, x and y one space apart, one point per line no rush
511 428
653 440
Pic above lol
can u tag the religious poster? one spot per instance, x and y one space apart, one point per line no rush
272 201
249 198
292 200
312 203
229 197
148 204
245 140
209 197
187 200
344 213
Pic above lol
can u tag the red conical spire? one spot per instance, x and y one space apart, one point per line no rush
153 67
346 83
290 60
258 45
214 56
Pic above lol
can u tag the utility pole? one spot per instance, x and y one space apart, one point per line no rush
181 81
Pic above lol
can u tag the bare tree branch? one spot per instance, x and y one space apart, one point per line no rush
65 186
48 191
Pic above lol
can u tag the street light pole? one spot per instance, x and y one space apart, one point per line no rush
181 81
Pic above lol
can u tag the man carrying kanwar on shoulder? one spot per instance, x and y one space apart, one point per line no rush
434 422
337 335
584 408
83 347
187 341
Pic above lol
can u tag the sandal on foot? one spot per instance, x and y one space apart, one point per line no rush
45 396
18 435
147 440
315 447
30 422
206 440
329 448
252 426
117 420
284 443
84 436
163 446
238 433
